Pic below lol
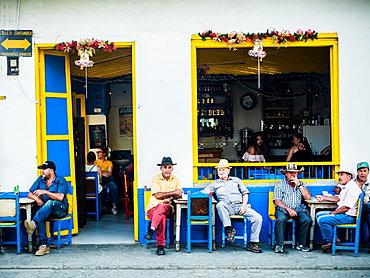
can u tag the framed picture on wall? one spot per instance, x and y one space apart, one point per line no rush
125 121
97 136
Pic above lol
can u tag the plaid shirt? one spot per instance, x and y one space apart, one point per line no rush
290 197
366 189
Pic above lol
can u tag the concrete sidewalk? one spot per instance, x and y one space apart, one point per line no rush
137 257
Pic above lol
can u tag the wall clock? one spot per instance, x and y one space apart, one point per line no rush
248 101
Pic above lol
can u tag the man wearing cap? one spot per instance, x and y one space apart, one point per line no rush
49 192
346 211
232 198
165 187
288 196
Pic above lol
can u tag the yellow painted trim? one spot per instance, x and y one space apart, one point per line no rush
324 39
42 138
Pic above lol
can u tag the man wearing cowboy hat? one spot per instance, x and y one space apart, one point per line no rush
165 188
288 196
347 207
232 198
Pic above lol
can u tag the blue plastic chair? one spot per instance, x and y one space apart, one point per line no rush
92 193
61 229
243 237
272 223
9 217
147 194
354 245
199 213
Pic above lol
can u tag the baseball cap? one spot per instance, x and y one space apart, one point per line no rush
362 165
47 164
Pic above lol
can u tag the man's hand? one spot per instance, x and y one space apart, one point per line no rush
291 212
177 193
39 192
39 202
319 198
167 200
242 209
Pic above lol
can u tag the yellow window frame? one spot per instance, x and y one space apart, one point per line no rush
324 40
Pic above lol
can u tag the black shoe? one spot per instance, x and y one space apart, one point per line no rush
160 250
149 234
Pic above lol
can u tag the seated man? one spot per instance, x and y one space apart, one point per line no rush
165 187
288 196
232 198
49 191
346 211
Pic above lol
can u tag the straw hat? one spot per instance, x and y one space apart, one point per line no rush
347 171
292 167
223 163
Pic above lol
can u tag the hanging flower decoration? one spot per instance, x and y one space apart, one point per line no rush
283 37
85 49
257 50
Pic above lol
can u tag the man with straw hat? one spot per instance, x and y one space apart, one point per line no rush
232 198
288 196
347 207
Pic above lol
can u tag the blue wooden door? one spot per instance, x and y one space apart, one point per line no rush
55 118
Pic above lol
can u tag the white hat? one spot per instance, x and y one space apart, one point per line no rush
345 170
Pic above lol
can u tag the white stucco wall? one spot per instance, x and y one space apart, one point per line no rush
162 32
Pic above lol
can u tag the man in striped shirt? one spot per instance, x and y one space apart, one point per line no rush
288 196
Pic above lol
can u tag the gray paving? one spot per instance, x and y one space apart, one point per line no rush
134 260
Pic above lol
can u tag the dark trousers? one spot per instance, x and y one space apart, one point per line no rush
303 223
366 218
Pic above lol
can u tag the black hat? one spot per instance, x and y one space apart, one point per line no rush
166 161
47 164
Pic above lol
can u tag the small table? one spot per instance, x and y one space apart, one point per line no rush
182 203
314 204
26 203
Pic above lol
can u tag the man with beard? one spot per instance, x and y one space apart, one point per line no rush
49 192
165 187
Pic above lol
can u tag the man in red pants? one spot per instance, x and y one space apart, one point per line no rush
165 188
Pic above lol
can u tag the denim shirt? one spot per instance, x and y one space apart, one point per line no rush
229 191
59 185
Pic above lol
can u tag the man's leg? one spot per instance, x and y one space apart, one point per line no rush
256 224
158 216
366 218
326 223
304 223
224 211
281 220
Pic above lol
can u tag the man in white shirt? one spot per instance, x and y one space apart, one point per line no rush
347 207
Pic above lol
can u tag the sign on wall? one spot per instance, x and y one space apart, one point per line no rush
125 121
16 43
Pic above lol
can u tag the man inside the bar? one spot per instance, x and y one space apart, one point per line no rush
165 187
232 198
289 194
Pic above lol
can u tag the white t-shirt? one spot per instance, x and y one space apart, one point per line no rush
93 168
253 157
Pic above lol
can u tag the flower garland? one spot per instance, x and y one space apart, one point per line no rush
85 49
283 37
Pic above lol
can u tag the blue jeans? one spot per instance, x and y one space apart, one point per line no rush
51 209
113 191
366 218
326 223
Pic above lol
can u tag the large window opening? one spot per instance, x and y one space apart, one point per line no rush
290 94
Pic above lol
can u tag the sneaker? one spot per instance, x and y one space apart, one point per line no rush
300 247
43 249
253 247
114 210
160 250
279 249
30 226
149 234
230 235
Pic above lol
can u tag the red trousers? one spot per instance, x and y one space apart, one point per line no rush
158 215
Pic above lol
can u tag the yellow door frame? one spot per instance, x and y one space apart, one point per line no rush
323 40
41 47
